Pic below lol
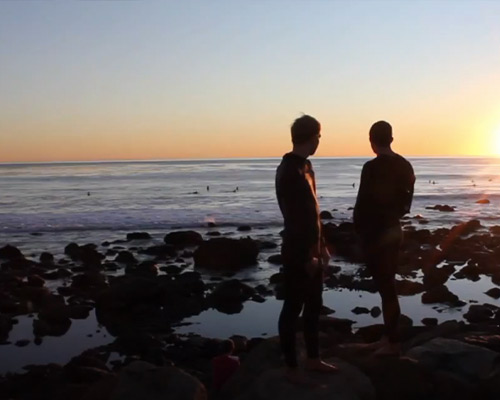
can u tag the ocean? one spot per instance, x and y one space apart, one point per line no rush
141 195
43 207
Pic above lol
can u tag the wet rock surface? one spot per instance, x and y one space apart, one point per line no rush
140 288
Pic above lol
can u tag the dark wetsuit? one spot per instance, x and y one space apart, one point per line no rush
296 193
385 195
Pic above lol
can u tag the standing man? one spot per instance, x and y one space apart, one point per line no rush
303 251
385 195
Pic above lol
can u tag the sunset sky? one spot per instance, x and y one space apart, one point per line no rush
92 80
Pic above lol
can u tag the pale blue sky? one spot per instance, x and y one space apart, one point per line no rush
159 79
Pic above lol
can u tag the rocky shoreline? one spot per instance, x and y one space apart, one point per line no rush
140 290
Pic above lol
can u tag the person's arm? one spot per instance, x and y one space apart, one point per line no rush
362 200
408 188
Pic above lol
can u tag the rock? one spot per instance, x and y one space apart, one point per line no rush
89 255
465 361
266 245
441 294
494 292
138 236
214 233
125 257
225 253
19 264
244 228
276 278
140 380
228 296
72 250
36 281
434 276
183 238
360 310
470 272
495 230
46 258
171 269
479 313
275 259
5 327
408 288
483 201
22 343
51 328
160 250
442 208
375 312
430 321
325 215
10 252
89 280
261 377
191 282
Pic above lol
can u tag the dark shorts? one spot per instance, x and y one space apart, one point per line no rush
381 250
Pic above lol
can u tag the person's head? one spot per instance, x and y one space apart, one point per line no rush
305 134
227 346
381 136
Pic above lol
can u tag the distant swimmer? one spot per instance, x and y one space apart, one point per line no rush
88 193
208 188
353 185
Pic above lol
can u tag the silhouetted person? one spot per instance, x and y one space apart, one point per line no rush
208 188
385 194
303 250
224 365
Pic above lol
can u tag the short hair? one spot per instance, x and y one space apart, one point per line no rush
304 128
227 346
381 133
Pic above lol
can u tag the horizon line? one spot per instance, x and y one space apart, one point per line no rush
152 160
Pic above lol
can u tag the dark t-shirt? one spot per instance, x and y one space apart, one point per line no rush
296 193
385 194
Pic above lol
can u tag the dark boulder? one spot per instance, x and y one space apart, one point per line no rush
125 257
441 294
409 288
228 296
46 258
275 259
442 208
244 228
10 252
160 250
494 293
225 253
183 238
72 250
138 236
479 313
325 215
360 310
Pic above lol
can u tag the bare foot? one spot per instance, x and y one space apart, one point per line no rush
390 349
320 366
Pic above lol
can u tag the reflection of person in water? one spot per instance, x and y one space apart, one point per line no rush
303 251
